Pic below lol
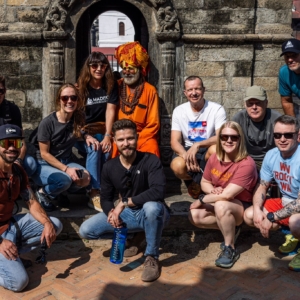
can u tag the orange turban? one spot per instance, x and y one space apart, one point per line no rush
133 54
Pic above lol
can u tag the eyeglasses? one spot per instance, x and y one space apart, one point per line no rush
225 137
95 66
2 91
287 135
128 175
66 98
257 103
17 143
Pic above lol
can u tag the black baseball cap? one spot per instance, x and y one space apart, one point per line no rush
292 45
10 131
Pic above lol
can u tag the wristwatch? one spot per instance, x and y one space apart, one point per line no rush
125 201
270 217
201 198
1 239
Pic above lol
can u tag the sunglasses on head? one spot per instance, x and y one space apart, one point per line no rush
225 137
287 135
66 98
95 66
17 143
2 91
128 175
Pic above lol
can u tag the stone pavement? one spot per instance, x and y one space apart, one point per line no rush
78 270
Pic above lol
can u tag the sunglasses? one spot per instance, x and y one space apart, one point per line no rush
128 175
287 135
95 66
225 137
66 98
2 91
17 143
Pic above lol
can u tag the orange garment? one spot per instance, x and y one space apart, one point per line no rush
146 118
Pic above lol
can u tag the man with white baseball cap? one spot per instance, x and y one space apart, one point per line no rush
257 122
289 78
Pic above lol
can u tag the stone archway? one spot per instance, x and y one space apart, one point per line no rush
66 31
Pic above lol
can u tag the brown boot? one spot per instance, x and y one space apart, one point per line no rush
151 269
135 245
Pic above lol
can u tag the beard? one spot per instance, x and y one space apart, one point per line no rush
131 79
128 154
9 160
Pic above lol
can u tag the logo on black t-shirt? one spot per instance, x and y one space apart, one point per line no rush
97 100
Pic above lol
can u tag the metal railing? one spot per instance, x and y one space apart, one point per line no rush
113 62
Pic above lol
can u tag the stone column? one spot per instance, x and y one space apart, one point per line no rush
55 68
167 71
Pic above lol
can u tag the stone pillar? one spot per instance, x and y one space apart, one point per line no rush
167 71
55 68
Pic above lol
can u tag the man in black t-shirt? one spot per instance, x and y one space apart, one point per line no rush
10 114
140 181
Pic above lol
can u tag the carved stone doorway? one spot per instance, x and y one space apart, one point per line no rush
83 44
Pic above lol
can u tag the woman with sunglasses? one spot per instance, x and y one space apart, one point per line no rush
228 182
56 136
99 90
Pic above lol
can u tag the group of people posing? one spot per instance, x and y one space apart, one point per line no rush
226 165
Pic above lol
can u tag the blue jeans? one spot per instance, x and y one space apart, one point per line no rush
29 165
53 180
151 218
94 160
13 275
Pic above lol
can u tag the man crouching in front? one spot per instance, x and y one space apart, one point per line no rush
140 181
23 232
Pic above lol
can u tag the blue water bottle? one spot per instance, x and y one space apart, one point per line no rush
118 245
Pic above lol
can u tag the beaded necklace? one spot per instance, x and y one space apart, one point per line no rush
130 101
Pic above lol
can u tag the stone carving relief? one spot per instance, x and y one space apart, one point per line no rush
58 11
57 15
166 16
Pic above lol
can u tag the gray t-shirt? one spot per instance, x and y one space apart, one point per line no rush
60 136
258 135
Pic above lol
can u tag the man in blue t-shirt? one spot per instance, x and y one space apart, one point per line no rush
289 78
283 165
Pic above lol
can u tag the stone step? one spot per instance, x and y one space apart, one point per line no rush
78 212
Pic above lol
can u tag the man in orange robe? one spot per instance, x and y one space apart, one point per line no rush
139 100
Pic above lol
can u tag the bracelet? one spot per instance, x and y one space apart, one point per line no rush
66 169
201 198
107 134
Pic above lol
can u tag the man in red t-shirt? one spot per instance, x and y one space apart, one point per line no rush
22 232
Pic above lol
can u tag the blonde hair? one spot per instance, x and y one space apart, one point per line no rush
242 151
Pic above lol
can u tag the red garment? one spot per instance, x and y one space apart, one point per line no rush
6 204
274 204
242 173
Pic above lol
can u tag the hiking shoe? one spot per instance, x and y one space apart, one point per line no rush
94 203
290 247
45 201
237 233
294 264
151 269
194 190
135 245
227 257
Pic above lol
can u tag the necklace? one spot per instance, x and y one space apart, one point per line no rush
130 101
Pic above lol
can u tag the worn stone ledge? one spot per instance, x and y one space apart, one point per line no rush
20 36
234 38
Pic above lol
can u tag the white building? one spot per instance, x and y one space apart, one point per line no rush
115 29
